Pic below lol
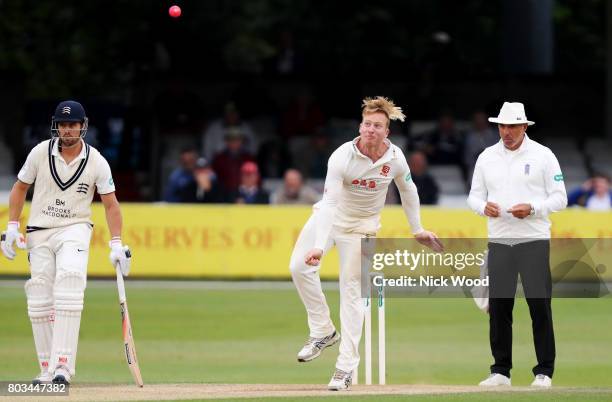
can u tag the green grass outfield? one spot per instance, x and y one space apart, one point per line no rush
573 396
485 397
198 335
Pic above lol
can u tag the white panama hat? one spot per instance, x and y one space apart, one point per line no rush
511 113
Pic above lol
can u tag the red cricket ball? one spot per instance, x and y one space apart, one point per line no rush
174 11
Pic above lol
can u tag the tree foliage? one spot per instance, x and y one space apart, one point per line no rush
93 47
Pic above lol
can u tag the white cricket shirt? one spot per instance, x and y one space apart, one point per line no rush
356 189
532 175
63 192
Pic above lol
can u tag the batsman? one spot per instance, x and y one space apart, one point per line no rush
65 172
358 175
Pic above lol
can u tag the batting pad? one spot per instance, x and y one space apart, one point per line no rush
40 309
69 294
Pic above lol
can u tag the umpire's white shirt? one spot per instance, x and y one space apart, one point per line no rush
63 192
530 174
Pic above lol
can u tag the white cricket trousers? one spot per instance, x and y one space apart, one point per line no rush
58 264
308 283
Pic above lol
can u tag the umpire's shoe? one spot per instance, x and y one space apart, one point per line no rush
542 381
495 380
314 346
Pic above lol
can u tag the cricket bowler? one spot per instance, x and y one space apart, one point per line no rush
358 175
65 172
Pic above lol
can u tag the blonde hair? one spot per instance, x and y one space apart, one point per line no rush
383 105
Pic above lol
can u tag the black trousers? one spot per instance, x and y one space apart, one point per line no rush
532 261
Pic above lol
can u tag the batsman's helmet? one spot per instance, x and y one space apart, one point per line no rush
69 111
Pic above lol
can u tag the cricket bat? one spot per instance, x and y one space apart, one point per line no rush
128 338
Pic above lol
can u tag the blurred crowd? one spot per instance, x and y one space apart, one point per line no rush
279 153
594 194
238 181
231 162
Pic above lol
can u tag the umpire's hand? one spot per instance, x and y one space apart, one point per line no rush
492 210
520 210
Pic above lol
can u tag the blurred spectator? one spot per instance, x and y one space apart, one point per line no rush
425 183
444 145
480 136
273 158
594 194
212 140
182 177
313 159
293 190
227 163
250 191
303 116
204 188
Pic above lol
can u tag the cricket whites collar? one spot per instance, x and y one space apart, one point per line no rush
525 145
388 155
54 152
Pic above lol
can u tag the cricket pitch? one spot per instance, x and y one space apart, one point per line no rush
160 392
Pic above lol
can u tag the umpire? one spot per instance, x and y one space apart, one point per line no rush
517 183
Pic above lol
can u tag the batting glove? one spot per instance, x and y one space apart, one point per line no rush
11 237
120 256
